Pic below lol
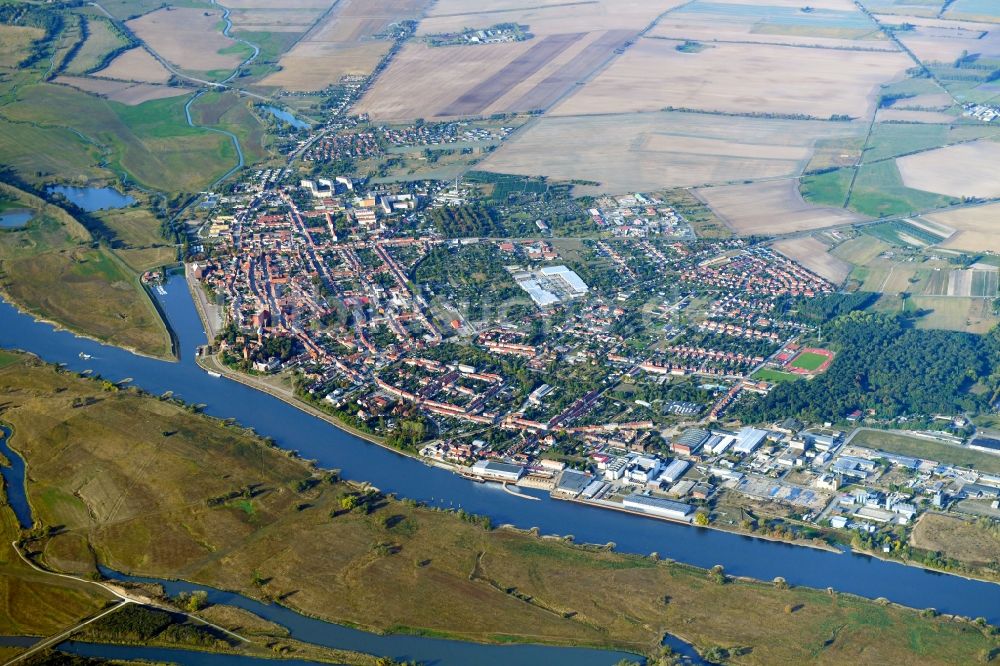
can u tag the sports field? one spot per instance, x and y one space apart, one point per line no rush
774 376
812 360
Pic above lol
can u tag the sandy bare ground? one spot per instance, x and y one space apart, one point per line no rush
815 256
773 207
739 78
125 92
189 38
545 18
136 65
911 116
655 150
978 228
964 170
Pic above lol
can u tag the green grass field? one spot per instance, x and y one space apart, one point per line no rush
879 192
772 375
150 141
808 361
102 40
51 269
827 189
902 234
133 476
895 139
907 445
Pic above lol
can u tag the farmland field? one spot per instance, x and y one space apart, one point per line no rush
829 188
774 21
136 65
815 256
976 227
655 150
345 43
771 207
966 170
547 17
964 283
860 251
928 449
903 233
486 79
738 78
126 92
189 38
894 139
974 315
879 191
101 41
151 141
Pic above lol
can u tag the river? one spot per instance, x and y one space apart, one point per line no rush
391 472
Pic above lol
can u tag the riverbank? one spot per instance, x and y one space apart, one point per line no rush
388 565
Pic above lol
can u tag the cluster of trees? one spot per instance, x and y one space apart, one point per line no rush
467 221
885 365
409 433
829 306
46 18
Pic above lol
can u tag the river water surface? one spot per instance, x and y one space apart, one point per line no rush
391 472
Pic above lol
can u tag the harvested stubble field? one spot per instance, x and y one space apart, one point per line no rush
815 256
966 170
771 207
482 80
342 44
187 37
944 41
126 92
648 151
740 79
546 18
913 116
838 24
315 65
976 228
134 478
136 65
